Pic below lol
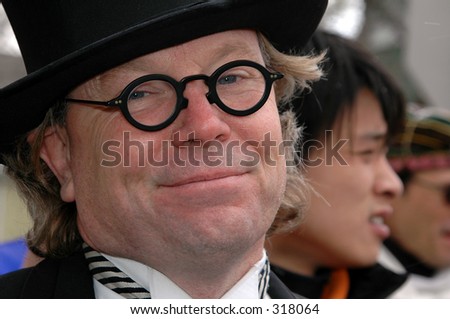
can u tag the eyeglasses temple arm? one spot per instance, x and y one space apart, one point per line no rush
112 103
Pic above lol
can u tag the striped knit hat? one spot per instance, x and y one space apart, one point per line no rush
424 142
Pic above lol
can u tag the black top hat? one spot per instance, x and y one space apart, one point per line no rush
64 43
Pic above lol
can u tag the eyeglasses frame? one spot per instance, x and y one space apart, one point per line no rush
122 99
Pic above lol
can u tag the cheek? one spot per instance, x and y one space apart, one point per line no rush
105 138
341 189
267 130
92 134
88 130
427 212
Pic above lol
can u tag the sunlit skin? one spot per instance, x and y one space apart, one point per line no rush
201 226
343 227
421 223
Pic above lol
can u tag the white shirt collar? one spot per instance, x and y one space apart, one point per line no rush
161 287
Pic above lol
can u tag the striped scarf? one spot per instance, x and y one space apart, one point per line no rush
113 278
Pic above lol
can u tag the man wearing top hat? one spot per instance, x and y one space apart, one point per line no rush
147 142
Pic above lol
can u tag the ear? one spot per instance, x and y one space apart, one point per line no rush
55 151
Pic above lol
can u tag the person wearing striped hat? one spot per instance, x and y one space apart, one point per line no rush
420 226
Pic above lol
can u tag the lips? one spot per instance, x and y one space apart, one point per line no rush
445 230
208 190
377 222
208 176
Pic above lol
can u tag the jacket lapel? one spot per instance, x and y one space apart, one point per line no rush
278 290
67 278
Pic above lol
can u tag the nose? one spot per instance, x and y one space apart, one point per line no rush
387 183
200 120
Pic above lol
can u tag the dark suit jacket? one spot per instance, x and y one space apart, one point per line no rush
374 282
70 278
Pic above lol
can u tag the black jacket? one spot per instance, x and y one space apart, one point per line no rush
70 278
374 282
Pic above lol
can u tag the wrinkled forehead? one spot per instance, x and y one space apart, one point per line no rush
210 50
204 54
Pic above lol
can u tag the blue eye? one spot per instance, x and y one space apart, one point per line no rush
227 79
137 95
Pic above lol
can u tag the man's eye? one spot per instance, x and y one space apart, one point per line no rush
229 79
138 95
366 152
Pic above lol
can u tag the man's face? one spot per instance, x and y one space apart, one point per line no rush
421 223
344 226
192 189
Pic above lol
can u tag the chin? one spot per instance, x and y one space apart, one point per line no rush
362 260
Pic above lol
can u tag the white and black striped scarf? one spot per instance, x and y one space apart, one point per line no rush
113 278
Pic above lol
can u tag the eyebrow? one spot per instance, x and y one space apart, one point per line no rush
239 49
373 137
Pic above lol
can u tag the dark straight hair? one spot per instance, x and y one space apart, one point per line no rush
348 68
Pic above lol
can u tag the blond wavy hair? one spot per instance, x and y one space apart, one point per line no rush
54 231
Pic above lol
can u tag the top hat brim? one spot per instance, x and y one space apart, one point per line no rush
288 24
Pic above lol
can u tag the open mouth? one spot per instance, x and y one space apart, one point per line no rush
446 232
376 220
379 227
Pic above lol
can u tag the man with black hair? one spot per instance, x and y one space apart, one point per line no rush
349 119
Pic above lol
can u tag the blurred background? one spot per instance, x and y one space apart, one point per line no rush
411 37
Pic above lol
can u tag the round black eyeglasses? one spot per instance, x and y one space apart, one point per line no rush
152 102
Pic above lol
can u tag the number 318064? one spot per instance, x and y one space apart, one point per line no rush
295 309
